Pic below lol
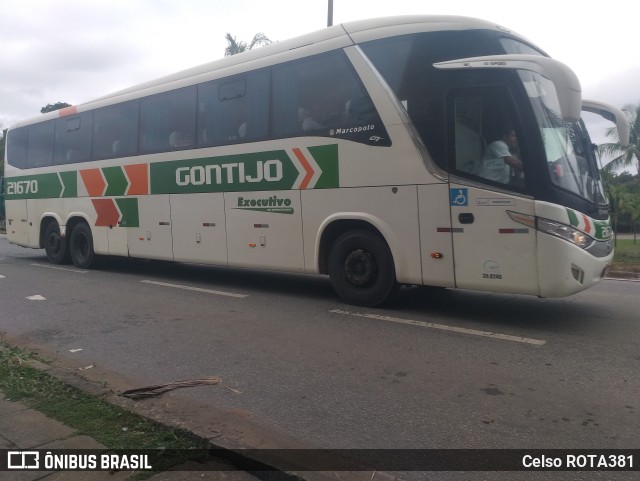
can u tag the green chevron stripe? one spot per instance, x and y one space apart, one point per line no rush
129 209
116 181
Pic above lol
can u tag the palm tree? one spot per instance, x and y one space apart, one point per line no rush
624 157
234 46
632 207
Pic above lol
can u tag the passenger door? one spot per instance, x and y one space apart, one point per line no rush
492 217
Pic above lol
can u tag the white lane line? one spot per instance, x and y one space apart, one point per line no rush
67 269
443 327
197 289
36 297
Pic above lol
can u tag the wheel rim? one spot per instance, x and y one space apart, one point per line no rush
360 268
54 243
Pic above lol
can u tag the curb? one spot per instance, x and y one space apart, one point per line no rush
623 276
264 468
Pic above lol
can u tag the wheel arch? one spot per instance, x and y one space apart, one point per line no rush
335 226
74 220
46 219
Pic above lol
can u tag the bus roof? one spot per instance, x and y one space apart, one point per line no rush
337 36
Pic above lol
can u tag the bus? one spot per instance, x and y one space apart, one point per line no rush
360 152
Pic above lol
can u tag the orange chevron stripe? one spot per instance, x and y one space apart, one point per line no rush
93 181
138 179
107 211
305 166
68 111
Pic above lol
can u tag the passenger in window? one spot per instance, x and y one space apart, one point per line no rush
500 158
116 147
237 123
178 140
312 118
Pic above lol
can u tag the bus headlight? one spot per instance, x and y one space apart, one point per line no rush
565 232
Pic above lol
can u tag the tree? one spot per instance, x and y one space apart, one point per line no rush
2 143
624 157
632 207
235 47
52 107
3 140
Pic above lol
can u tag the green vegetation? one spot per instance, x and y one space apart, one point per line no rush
627 256
624 195
624 157
235 47
112 426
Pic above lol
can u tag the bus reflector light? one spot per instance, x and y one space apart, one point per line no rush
437 255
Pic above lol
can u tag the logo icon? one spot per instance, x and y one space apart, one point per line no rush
459 196
23 460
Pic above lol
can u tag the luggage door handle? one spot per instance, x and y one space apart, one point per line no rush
466 218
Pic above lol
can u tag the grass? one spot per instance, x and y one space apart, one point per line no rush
114 427
627 256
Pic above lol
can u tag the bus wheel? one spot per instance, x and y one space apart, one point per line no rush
55 246
361 268
81 244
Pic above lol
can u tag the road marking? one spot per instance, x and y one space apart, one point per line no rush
197 289
443 327
67 269
36 297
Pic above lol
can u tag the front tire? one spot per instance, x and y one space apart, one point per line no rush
55 246
81 246
361 268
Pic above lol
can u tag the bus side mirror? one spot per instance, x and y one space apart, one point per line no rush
613 114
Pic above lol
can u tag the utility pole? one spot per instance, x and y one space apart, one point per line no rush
330 14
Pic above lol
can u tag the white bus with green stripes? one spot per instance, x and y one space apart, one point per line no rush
360 151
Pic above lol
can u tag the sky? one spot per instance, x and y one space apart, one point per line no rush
76 50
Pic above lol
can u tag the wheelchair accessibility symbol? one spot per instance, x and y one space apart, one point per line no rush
459 196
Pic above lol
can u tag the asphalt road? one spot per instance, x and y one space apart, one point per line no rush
437 369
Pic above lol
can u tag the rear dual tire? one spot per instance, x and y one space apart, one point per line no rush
55 245
81 246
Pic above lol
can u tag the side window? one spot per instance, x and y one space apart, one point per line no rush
40 150
73 139
17 142
234 109
322 95
168 121
485 137
115 131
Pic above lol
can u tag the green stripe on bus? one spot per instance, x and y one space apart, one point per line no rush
116 181
573 218
326 156
69 183
129 209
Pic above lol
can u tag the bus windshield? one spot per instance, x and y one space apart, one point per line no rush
571 161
